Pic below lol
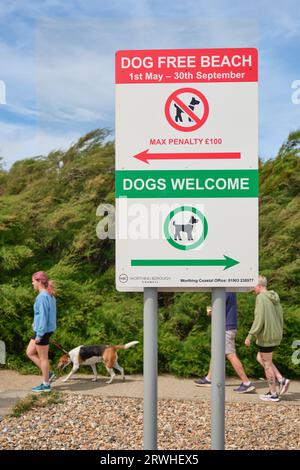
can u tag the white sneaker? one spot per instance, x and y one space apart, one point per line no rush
269 397
283 386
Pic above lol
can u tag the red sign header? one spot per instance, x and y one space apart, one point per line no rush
187 65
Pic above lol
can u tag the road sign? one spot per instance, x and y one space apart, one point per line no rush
186 169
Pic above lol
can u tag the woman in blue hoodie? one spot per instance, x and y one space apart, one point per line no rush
44 324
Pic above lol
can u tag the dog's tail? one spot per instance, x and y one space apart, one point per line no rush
127 345
58 346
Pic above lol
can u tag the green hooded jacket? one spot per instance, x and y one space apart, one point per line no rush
267 326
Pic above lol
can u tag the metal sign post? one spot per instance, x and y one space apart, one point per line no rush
150 368
218 368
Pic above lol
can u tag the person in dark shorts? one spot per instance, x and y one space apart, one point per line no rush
44 325
267 328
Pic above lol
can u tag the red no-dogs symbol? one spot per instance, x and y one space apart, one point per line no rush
186 109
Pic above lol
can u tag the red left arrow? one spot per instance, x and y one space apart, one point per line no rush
145 156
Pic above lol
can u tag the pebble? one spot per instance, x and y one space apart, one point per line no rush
117 424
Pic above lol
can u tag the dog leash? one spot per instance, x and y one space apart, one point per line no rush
58 346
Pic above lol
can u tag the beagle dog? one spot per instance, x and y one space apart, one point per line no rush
91 355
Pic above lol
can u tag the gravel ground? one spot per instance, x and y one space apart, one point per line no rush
94 423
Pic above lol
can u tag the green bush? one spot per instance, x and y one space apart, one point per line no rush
48 222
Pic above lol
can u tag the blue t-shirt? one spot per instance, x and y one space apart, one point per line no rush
231 311
44 314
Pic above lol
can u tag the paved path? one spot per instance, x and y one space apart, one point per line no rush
14 386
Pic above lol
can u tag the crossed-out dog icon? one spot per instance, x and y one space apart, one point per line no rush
178 117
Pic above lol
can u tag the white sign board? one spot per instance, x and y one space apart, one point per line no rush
186 169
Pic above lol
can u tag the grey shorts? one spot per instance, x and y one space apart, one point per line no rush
230 342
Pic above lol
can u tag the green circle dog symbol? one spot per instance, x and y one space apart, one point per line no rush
185 228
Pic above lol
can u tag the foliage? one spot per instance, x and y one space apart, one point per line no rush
48 222
36 401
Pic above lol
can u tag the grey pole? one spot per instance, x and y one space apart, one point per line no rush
218 368
150 368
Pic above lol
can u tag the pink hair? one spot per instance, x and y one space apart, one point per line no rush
43 279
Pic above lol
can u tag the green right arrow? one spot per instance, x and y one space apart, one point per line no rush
226 262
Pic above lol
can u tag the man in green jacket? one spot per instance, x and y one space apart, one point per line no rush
267 328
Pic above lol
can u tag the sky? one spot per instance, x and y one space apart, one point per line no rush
57 62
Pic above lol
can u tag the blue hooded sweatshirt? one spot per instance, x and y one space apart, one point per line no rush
44 314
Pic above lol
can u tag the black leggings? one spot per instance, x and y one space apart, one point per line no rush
266 349
44 339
